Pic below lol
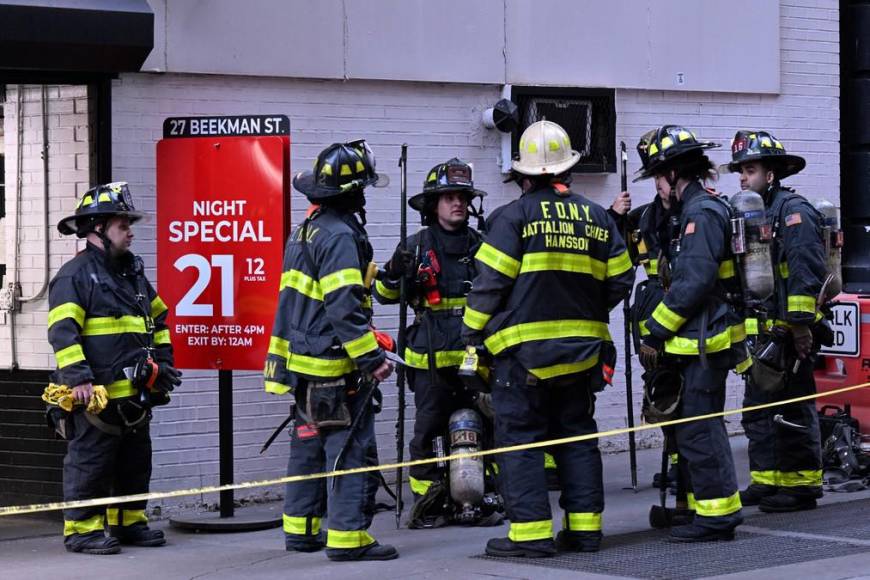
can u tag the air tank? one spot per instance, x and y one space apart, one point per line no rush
833 238
465 430
751 236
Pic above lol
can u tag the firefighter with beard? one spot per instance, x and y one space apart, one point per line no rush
784 458
439 266
552 267
324 352
697 330
107 327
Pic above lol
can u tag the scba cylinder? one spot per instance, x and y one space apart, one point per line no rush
465 430
833 237
752 236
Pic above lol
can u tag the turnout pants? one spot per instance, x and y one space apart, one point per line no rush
98 464
435 402
707 465
782 456
350 503
529 410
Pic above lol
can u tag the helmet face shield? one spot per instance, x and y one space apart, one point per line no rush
102 201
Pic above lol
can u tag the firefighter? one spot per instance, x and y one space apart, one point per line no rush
324 352
552 267
439 267
785 462
696 330
107 327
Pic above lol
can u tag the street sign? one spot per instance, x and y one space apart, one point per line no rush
846 325
220 236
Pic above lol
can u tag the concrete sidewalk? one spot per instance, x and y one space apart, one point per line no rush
33 548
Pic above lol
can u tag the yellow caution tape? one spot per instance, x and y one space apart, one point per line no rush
61 505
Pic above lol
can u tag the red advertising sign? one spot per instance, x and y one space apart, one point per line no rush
220 236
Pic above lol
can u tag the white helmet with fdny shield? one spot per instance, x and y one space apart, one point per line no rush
454 175
545 149
97 205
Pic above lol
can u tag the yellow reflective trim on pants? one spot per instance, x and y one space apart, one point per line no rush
783 270
420 486
335 280
279 346
299 525
128 517
103 325
302 283
348 540
162 337
652 267
498 260
799 303
362 345
806 477
158 307
712 508
668 318
93 524
545 330
121 389
549 461
559 370
67 310
727 269
531 531
474 319
69 355
673 458
563 262
447 303
443 359
764 477
618 265
276 388
319 367
582 522
385 291
690 501
689 346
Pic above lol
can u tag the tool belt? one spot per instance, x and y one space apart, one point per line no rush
325 404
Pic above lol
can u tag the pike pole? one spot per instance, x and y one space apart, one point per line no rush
626 312
403 324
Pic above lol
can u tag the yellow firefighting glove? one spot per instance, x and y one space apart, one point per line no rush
61 395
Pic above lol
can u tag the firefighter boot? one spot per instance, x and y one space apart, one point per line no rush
507 548
374 551
95 542
568 541
787 502
137 535
756 492
309 544
697 533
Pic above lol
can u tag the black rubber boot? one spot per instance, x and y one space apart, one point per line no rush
311 544
695 533
507 548
753 494
374 551
567 541
784 502
93 543
138 535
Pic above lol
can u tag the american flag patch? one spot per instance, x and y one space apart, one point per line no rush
793 219
690 228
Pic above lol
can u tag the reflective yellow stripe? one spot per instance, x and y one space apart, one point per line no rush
443 359
718 507
69 355
652 267
727 269
751 325
474 319
92 524
642 327
279 346
498 260
549 461
348 540
681 345
112 516
799 303
764 477
319 367
362 345
559 370
743 365
121 389
128 517
811 477
276 388
104 325
366 302
738 333
546 330
530 531
690 501
563 262
668 318
582 522
299 525
162 337
67 310
420 486
340 279
158 307
302 283
447 303
618 265
783 270
385 291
